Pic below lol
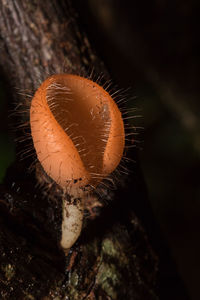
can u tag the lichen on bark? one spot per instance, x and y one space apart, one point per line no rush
113 258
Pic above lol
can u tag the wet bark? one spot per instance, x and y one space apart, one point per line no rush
113 258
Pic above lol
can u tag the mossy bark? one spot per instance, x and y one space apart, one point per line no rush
113 258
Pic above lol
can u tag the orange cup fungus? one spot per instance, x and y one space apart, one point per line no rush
78 135
77 130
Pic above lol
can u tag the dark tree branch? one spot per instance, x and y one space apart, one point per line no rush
113 258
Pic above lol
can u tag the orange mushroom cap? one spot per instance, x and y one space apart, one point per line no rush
77 130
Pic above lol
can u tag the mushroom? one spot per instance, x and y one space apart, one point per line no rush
78 134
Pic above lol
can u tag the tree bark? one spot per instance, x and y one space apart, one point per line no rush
113 258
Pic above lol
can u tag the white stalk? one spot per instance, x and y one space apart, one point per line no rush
71 223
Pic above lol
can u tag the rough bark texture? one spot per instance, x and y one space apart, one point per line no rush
113 258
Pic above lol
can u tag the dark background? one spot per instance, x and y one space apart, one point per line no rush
153 47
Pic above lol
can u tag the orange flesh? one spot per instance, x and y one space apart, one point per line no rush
77 130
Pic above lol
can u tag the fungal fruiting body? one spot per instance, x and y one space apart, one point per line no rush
78 135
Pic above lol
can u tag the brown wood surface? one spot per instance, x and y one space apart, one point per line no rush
113 258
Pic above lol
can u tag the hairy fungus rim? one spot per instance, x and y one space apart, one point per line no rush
116 137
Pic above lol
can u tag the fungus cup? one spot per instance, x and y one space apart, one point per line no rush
78 134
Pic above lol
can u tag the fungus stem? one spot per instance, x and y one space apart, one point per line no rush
72 221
